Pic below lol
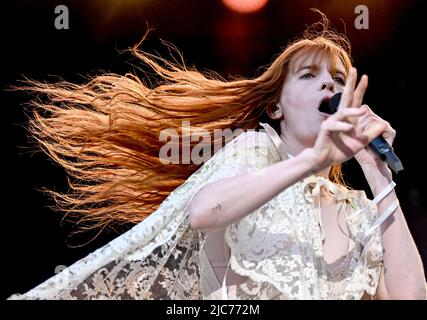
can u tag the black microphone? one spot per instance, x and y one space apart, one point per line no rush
379 144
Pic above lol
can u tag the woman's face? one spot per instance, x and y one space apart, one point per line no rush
307 84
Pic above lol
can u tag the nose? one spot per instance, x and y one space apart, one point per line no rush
327 84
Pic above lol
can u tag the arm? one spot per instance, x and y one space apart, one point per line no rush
403 274
219 204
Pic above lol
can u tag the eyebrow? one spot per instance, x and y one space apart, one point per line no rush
314 67
340 72
310 67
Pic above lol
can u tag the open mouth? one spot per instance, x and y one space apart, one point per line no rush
324 106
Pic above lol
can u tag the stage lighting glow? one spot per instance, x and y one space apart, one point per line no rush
245 6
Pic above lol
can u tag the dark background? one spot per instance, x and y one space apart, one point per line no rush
211 37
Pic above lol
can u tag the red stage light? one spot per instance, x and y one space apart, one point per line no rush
245 6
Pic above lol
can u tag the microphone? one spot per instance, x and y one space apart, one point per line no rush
379 144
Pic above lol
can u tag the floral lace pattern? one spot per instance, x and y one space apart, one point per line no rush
289 255
277 246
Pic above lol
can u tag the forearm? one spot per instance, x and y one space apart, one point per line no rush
221 203
403 270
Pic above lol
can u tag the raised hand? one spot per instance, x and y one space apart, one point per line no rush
344 133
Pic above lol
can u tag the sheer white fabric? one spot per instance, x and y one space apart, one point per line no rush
277 247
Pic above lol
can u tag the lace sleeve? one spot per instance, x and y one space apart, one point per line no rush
248 152
159 257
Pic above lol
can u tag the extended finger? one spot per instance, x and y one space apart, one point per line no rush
347 95
351 114
333 126
360 91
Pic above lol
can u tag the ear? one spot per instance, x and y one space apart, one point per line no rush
275 112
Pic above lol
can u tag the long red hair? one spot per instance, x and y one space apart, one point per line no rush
105 132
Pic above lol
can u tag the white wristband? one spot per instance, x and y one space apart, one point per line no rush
383 217
384 193
389 210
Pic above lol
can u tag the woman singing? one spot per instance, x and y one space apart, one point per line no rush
267 216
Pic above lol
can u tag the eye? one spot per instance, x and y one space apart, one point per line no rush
307 76
340 80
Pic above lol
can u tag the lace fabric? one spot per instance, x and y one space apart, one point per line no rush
277 247
289 256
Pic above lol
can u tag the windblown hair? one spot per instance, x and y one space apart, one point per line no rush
105 132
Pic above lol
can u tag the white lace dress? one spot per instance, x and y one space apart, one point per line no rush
278 247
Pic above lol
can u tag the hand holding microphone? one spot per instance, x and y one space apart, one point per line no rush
379 145
351 127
